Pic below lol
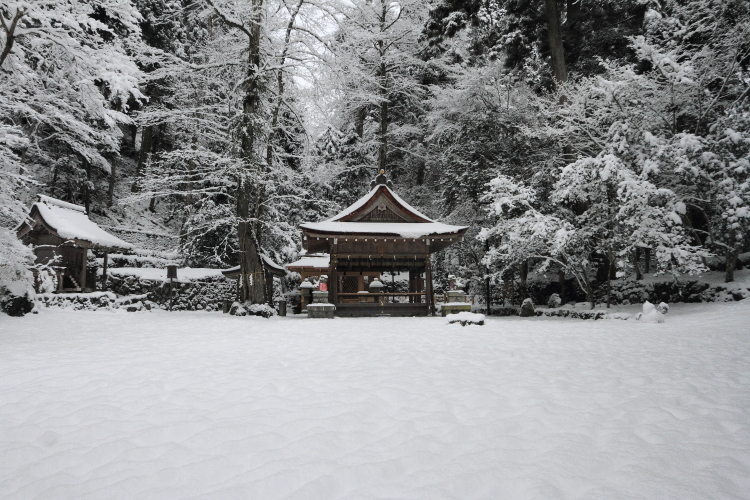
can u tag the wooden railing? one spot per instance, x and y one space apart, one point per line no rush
386 298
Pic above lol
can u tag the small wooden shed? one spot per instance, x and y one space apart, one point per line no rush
62 234
379 233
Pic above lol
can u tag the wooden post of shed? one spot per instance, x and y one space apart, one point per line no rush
83 268
104 272
171 275
428 285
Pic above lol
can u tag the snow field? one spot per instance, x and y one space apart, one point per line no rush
201 405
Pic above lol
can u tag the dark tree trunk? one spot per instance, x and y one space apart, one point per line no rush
112 181
561 280
647 263
573 11
253 286
609 280
104 272
488 295
556 50
143 155
731 258
280 82
359 121
383 151
523 272
10 36
637 264
87 186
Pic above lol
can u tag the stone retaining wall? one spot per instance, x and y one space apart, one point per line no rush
206 294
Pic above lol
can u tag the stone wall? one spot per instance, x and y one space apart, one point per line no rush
206 294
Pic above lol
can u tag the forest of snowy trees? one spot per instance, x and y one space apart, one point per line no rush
586 139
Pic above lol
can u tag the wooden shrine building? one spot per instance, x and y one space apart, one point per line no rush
379 233
62 234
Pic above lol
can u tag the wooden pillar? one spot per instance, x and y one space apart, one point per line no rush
333 282
428 285
104 272
83 268
269 288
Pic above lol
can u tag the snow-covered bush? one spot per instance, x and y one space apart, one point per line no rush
264 310
650 314
527 307
554 301
16 280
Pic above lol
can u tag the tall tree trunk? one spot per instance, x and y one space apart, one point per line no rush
487 288
731 258
383 152
140 168
280 82
589 289
253 287
10 33
573 10
112 181
610 258
561 280
637 264
556 50
647 263
523 272
359 121
87 186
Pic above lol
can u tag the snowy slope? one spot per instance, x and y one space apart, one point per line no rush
200 405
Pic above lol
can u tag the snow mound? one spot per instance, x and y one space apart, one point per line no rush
650 314
466 318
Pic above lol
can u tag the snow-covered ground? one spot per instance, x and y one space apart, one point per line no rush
161 405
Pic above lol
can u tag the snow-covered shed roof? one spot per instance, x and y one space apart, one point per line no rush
70 222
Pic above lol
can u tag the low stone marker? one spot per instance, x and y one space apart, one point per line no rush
319 310
455 307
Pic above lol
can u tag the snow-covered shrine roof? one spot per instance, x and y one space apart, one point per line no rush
399 229
70 222
383 212
315 261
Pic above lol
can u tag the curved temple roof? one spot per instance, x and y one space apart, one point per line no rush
401 220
